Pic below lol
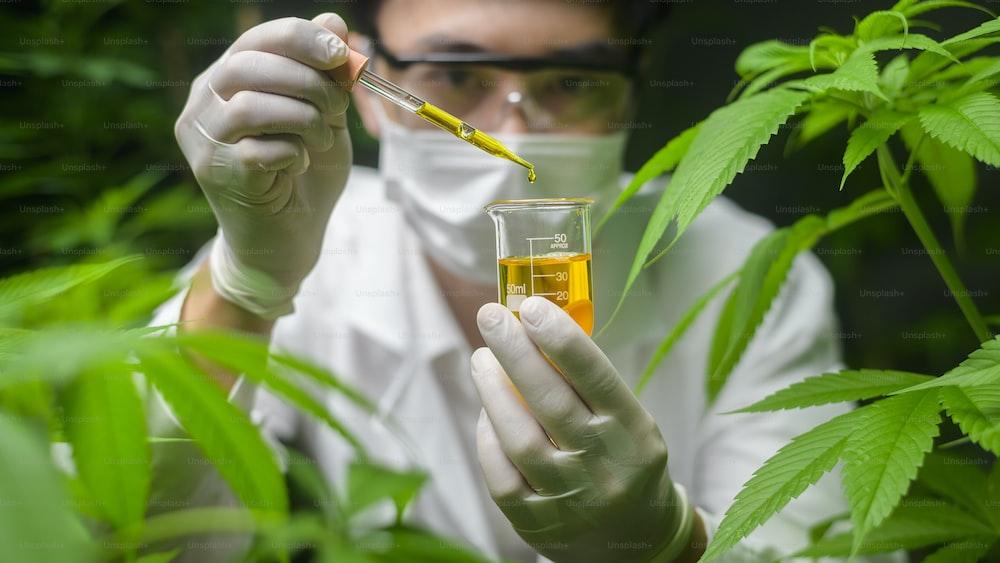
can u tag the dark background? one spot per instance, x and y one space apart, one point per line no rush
89 166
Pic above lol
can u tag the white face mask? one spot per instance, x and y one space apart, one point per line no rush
442 184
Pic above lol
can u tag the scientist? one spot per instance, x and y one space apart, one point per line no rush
387 277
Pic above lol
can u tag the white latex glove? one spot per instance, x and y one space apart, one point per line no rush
265 134
578 466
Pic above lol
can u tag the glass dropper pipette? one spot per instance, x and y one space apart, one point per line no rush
357 67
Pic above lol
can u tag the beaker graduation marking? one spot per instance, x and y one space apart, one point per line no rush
531 264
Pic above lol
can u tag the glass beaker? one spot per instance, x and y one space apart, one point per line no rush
543 248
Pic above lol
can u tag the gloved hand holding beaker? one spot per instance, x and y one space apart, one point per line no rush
577 465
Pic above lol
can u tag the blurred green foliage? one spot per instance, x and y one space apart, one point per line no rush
99 212
90 167
90 171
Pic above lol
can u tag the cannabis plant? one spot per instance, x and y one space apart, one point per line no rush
78 454
78 467
910 101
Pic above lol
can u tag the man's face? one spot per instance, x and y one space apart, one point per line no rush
551 99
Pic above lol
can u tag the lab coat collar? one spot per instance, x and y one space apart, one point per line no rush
394 298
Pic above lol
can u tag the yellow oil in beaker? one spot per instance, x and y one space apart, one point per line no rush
470 134
562 279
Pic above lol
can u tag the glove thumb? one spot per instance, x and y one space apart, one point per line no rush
346 74
334 23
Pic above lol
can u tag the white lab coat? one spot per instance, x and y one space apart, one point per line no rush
372 312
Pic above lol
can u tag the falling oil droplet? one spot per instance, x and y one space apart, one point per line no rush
531 175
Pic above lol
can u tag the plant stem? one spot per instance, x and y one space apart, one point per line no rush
955 443
901 191
912 160
958 290
861 109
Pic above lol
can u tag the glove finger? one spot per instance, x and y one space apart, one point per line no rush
551 399
505 483
257 170
249 114
531 514
583 363
305 41
521 438
266 72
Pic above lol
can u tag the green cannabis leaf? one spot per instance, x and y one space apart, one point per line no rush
23 290
822 117
803 235
881 461
976 410
952 478
106 426
848 385
982 367
783 477
960 552
858 74
881 23
368 484
951 173
223 432
667 344
912 41
988 71
970 124
664 160
893 78
764 273
987 28
162 557
724 144
931 5
865 139
761 278
42 516
761 64
767 55
249 357
923 522
79 351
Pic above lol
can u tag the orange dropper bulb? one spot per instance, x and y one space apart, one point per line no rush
347 74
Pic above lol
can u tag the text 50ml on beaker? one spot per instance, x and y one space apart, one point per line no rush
543 248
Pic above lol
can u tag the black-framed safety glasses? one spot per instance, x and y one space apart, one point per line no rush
554 91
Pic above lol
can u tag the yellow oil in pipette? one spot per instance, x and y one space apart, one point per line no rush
433 114
470 134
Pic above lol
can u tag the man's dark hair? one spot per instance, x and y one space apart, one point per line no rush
633 19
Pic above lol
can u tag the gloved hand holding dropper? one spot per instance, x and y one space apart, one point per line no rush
265 131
